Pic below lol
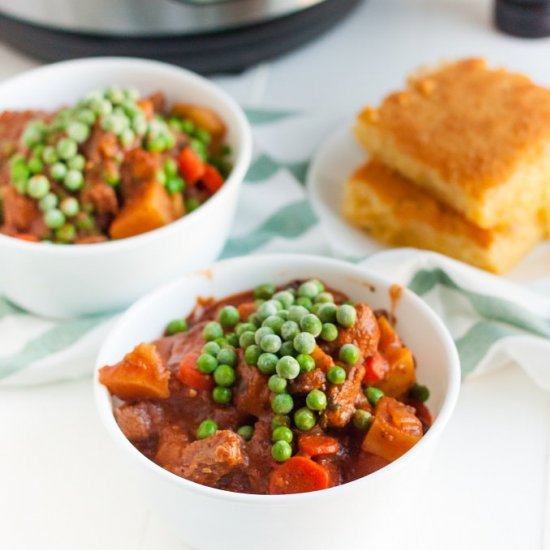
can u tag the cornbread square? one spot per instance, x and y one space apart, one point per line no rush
477 138
398 213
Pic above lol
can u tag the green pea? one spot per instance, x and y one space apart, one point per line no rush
252 354
246 432
304 419
244 327
349 354
206 429
212 348
362 419
304 302
346 315
19 171
115 95
264 291
78 131
274 322
203 135
289 329
187 126
281 451
232 339
261 332
282 433
206 363
280 420
287 348
49 155
66 148
66 233
48 202
132 94
36 166
269 308
282 403
327 313
420 393
38 186
336 375
306 362
86 222
304 343
276 384
324 298
70 206
309 289
373 395
74 180
311 323
200 148
175 326
78 162
283 314
175 124
288 367
227 356
222 395
329 333
87 116
224 375
170 167
139 125
58 171
54 218
316 400
212 330
247 339
175 185
267 362
295 313
270 343
254 319
285 297
228 316
33 133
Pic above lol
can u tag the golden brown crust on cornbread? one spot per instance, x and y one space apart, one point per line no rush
476 137
396 212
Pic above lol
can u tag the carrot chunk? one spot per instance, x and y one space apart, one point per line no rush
26 237
376 367
314 445
298 475
246 309
191 166
189 375
140 375
212 179
322 360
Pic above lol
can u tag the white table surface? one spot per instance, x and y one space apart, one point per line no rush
64 486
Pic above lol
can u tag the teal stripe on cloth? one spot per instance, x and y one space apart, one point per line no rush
54 340
488 307
289 222
264 116
475 344
265 167
7 308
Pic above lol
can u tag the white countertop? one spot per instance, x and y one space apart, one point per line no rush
63 484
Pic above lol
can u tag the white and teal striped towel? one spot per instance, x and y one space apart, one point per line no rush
493 320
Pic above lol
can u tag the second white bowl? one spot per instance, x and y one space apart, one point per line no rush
71 280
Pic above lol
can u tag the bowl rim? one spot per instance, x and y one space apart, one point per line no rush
104 405
241 161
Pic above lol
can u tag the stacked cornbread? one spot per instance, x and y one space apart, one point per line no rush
459 163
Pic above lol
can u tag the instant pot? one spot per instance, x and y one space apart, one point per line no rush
203 35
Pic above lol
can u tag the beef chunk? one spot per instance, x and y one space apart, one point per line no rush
172 442
140 421
19 212
259 452
207 460
191 341
251 396
307 381
342 399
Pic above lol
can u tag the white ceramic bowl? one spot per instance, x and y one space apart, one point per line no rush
370 511
70 280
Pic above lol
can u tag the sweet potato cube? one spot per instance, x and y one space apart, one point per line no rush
149 208
401 375
140 375
394 431
203 117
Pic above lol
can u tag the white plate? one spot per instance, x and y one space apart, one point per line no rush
332 164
